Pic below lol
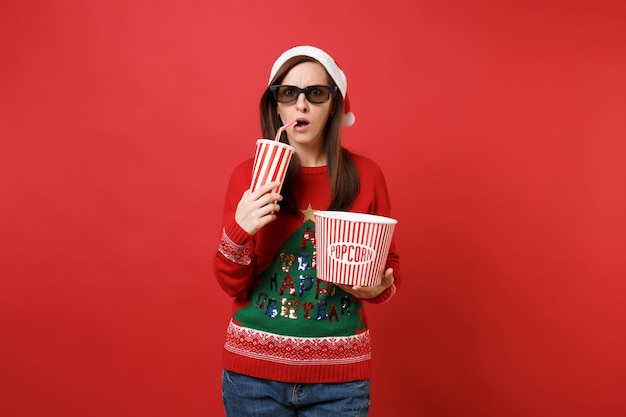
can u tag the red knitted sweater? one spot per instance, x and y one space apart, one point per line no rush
288 325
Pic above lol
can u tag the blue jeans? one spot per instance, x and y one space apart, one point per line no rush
245 396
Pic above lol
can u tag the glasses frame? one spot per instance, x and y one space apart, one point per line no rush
274 89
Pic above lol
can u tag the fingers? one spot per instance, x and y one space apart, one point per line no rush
257 209
267 189
372 291
388 278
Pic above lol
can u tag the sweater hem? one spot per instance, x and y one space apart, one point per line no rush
309 374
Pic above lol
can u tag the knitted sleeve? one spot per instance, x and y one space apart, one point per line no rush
234 263
374 187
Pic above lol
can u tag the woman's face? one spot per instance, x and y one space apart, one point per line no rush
311 117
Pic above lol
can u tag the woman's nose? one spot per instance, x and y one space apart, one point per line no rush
301 103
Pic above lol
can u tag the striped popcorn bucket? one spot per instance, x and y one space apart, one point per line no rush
270 162
352 248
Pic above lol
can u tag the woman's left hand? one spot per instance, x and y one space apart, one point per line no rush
373 291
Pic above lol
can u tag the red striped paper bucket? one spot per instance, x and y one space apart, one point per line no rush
352 248
271 161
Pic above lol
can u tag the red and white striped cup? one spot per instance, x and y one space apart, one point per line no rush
352 248
271 161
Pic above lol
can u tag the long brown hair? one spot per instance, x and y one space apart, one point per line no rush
344 178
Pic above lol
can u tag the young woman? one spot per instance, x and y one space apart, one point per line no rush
297 345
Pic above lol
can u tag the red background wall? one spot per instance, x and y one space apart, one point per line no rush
501 129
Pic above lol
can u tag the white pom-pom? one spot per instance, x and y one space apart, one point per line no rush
349 119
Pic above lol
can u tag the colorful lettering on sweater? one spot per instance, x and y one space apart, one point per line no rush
289 299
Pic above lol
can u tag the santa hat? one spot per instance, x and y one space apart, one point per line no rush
331 67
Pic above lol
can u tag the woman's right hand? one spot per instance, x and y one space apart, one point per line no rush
259 208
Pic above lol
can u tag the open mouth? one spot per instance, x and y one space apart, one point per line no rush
302 123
